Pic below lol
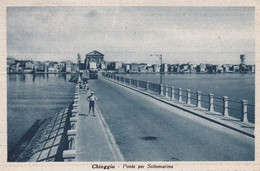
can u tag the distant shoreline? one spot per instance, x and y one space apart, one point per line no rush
42 73
136 73
186 73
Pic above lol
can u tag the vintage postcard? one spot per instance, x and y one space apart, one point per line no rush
129 85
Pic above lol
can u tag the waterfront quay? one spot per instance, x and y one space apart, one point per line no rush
136 123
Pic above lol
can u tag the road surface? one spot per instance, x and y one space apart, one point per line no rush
149 130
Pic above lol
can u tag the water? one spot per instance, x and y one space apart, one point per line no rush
31 97
234 85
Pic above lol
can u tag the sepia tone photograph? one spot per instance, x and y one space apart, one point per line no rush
158 85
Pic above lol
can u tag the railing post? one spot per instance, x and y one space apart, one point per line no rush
166 91
124 80
129 81
73 122
75 106
225 105
147 85
172 96
244 110
188 96
137 83
211 103
198 99
180 94
161 89
69 155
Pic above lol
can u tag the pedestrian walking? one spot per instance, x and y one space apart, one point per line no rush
92 100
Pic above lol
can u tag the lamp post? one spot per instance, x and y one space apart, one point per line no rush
160 57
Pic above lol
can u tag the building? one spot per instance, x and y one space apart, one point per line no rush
184 67
114 65
29 66
127 67
235 68
68 66
149 69
226 68
191 67
251 68
156 68
121 70
201 68
164 67
142 67
134 68
62 66
96 57
10 60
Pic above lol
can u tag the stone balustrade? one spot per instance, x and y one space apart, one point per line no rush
169 93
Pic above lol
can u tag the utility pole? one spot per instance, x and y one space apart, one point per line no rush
160 57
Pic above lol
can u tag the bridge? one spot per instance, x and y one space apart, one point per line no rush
135 123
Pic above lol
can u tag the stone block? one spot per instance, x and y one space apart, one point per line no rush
57 140
73 119
53 134
49 143
72 132
44 154
56 127
69 155
34 157
53 151
62 125
60 131
63 119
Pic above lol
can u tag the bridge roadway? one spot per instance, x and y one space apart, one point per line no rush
148 130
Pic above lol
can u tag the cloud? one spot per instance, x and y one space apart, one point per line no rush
175 31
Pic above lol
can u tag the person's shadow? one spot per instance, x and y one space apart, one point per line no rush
82 114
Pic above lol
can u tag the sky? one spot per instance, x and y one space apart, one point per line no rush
216 35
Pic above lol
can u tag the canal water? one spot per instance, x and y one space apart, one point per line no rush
32 97
234 85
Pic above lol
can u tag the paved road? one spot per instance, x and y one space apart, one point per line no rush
148 130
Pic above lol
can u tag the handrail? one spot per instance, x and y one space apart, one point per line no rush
70 154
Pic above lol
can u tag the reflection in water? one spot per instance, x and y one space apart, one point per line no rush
12 78
62 76
22 77
34 76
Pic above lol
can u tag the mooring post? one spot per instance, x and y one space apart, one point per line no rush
180 94
211 102
225 105
244 110
198 99
188 96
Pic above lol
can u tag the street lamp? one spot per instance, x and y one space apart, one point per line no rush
160 57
